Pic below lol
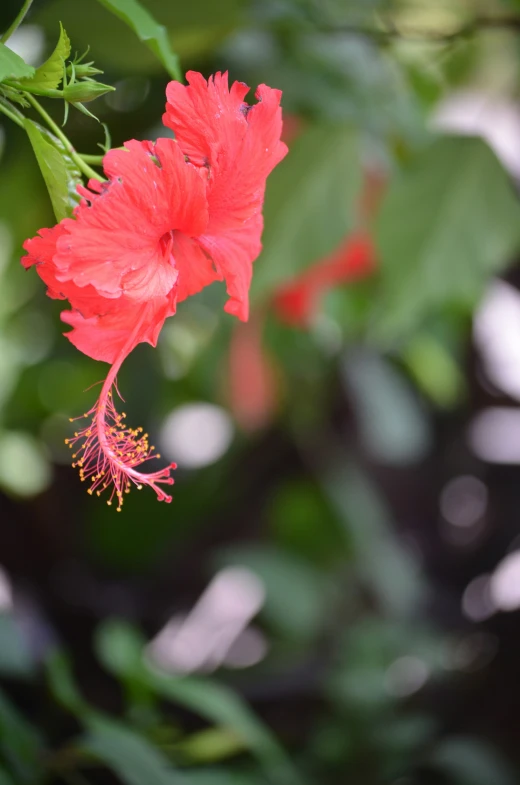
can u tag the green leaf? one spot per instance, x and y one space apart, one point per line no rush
446 224
119 646
211 745
148 31
49 75
310 205
20 744
434 369
130 756
62 685
221 705
381 561
59 173
12 66
393 425
194 30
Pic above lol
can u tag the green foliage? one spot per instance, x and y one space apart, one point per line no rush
193 30
62 685
60 175
221 705
128 755
5 779
147 30
211 744
120 649
49 75
310 204
302 522
20 744
12 66
440 233
434 369
381 561
393 425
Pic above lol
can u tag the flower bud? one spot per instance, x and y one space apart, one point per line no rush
82 70
85 91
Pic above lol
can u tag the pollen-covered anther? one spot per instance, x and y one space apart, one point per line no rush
109 454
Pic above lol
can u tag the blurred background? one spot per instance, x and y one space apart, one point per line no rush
332 597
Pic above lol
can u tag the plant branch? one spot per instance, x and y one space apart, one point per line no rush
10 112
92 159
45 92
78 160
17 22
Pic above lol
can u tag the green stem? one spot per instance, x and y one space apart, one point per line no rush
78 160
46 92
92 159
17 22
11 113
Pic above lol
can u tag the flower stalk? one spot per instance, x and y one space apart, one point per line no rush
78 160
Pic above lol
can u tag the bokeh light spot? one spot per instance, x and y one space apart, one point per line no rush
196 434
24 468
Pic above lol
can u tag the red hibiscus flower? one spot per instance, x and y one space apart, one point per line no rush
171 218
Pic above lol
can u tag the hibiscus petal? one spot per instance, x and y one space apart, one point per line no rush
105 337
195 265
205 116
234 253
119 233
239 145
40 252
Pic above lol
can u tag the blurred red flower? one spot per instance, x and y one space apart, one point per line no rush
297 301
173 217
